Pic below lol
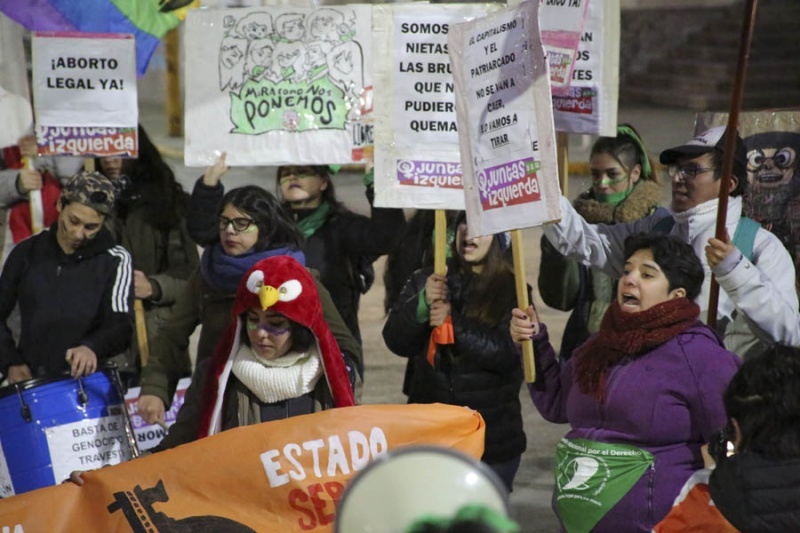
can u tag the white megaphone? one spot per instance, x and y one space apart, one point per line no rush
407 484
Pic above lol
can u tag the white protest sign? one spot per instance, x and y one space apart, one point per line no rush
505 119
561 24
278 85
84 79
149 435
15 109
417 160
590 104
87 444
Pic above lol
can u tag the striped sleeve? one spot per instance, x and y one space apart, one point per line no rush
123 280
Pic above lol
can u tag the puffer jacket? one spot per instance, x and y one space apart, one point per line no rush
757 494
481 370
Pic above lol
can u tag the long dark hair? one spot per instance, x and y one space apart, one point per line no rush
275 228
152 185
486 304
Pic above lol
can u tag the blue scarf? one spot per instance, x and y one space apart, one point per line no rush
223 272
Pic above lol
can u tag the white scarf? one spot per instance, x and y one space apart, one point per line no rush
284 378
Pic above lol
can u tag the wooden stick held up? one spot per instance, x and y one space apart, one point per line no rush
730 144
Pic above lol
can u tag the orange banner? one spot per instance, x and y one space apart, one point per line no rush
281 476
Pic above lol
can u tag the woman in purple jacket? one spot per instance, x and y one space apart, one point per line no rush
641 396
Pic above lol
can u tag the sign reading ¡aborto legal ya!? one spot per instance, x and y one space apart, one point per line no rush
505 121
85 98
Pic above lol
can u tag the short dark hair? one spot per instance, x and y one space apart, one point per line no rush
275 228
764 398
739 170
676 259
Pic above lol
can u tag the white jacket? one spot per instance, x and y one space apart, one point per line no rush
758 300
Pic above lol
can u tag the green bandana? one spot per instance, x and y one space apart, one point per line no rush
613 198
310 224
591 477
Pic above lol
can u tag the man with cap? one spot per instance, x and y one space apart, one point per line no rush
73 287
758 304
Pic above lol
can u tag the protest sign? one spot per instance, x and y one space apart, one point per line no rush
84 90
282 476
417 162
149 435
278 85
505 119
590 104
561 25
14 105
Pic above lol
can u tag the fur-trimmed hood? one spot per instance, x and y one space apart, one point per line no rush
642 200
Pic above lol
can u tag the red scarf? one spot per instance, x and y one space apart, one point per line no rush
624 335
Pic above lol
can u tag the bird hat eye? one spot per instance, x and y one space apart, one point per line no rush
255 281
289 290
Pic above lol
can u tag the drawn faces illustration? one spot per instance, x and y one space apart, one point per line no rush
255 26
260 57
290 26
231 64
326 25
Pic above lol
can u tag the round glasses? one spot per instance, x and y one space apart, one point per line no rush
240 224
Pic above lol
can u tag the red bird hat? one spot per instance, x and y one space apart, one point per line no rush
284 285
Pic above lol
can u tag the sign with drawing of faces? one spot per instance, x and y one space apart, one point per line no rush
286 84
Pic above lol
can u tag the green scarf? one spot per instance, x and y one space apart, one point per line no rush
311 223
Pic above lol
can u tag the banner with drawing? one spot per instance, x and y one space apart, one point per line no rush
274 85
417 161
284 476
505 121
772 195
589 105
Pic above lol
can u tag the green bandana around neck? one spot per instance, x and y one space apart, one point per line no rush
310 224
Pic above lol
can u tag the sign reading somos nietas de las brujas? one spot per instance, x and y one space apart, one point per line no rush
505 119
274 85
84 93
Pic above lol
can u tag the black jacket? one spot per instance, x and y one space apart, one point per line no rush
333 249
65 301
757 494
482 370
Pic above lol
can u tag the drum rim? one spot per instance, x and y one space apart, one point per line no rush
36 382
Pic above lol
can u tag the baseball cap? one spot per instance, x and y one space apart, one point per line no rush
91 189
709 140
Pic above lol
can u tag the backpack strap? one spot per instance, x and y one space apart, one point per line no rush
664 225
744 237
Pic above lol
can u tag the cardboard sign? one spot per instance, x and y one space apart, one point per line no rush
505 121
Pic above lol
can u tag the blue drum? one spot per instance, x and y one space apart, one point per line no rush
51 427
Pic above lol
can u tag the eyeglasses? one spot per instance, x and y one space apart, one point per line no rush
240 224
686 173
276 327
